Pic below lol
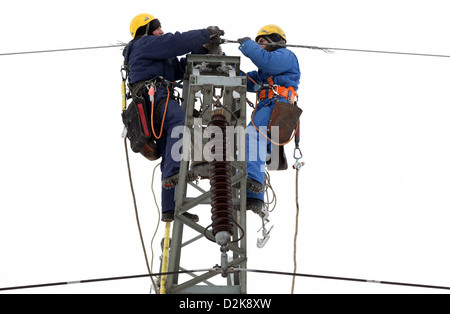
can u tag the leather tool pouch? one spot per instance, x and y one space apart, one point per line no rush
284 116
139 133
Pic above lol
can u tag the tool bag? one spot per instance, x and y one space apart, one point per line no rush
139 133
285 116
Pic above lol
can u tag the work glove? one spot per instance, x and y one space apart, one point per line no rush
241 40
215 31
214 40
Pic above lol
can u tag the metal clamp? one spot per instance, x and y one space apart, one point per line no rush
224 270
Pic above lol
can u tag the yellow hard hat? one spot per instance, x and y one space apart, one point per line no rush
139 21
271 29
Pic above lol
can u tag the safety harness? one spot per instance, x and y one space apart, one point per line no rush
285 116
274 90
141 130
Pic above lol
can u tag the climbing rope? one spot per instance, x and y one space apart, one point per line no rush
137 214
296 230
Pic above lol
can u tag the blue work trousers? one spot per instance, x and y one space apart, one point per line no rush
170 165
258 146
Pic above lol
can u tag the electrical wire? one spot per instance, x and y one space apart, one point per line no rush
232 270
345 279
330 49
377 51
60 50
225 41
63 283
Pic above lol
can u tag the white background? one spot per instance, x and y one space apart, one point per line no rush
373 193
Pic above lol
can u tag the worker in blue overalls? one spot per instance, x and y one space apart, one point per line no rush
153 54
276 79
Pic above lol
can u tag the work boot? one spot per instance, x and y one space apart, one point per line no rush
172 181
253 204
169 216
252 185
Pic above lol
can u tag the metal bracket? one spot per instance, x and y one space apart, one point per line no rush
261 242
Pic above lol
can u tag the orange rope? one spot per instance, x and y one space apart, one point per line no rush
164 117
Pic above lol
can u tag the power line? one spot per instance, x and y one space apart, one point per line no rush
381 51
64 283
231 271
330 49
225 41
60 50
347 279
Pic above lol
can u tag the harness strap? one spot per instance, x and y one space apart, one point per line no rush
278 91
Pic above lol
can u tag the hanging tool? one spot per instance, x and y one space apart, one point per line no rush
264 214
261 242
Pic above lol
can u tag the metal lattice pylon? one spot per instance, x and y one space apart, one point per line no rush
214 81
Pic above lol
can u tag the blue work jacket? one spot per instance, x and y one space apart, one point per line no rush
152 56
281 64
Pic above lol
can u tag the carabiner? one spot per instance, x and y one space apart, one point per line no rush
297 149
124 70
275 89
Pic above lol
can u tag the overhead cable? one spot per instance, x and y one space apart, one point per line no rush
60 50
225 41
377 51
345 279
63 283
231 270
332 49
